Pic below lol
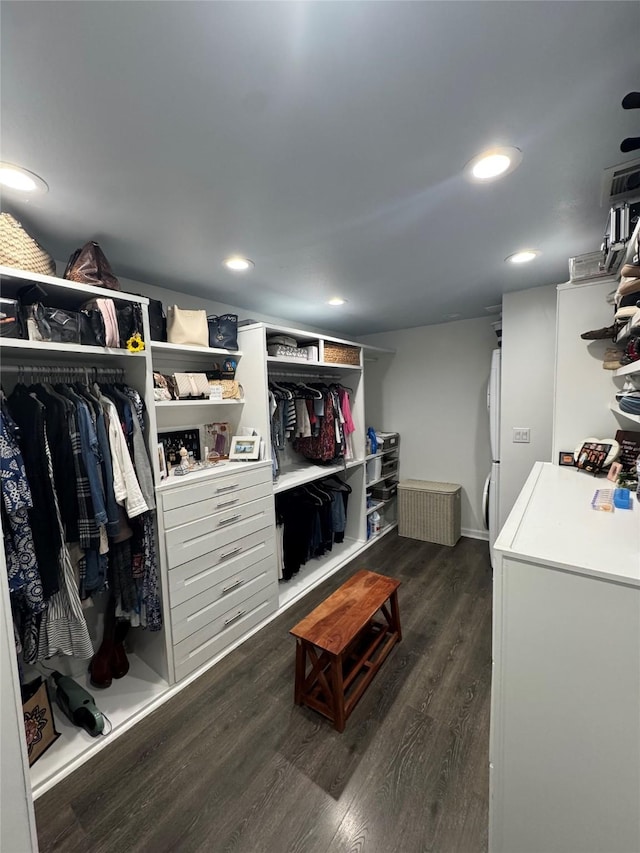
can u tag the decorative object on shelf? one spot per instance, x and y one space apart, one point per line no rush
89 265
611 445
191 385
40 730
218 437
175 439
566 458
19 250
614 472
281 351
10 323
223 331
245 447
341 354
592 456
162 460
135 343
228 369
187 327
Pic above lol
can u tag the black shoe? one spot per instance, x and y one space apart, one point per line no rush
599 334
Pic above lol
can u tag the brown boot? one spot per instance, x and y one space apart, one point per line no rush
100 673
119 661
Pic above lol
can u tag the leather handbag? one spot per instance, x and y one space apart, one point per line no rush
92 331
157 321
89 265
129 318
19 250
109 315
223 331
10 321
187 327
52 324
191 384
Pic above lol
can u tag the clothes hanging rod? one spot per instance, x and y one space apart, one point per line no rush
57 370
308 374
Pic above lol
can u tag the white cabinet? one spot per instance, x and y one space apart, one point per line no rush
565 721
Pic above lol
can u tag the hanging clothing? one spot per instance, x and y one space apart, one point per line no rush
126 487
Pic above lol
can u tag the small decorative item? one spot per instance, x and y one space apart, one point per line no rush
566 458
135 343
592 456
39 727
173 441
245 447
184 459
218 437
162 461
615 469
215 393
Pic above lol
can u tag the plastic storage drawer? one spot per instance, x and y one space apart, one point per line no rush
429 511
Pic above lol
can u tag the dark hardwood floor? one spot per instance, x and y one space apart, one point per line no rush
231 764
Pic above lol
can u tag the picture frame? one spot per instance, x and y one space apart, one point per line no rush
245 447
566 458
162 461
592 456
189 437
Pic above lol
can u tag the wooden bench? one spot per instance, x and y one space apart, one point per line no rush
344 645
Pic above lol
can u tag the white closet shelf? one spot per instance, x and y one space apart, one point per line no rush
80 290
628 369
165 348
302 474
380 479
27 349
382 453
615 408
310 366
376 506
182 404
125 702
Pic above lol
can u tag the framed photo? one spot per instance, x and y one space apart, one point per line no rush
173 441
592 456
245 447
566 458
162 461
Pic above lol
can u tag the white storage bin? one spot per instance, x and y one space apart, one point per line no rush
374 469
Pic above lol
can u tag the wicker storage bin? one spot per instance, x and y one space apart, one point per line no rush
341 354
429 511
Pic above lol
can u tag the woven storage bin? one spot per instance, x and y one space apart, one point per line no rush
341 354
21 251
429 511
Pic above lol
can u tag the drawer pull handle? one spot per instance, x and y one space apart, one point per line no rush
227 488
228 503
233 618
229 520
230 553
232 586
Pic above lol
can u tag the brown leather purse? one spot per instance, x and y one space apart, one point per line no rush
89 265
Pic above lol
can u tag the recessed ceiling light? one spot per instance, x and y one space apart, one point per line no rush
15 178
238 264
523 257
493 163
336 300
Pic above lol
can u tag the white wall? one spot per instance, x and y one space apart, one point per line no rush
528 365
433 392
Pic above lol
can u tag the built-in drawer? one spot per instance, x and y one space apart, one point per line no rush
212 505
192 540
222 565
189 494
205 644
197 613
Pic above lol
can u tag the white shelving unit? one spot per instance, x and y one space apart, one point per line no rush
183 404
615 408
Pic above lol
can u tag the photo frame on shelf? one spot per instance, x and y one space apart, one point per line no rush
566 458
245 447
162 461
592 456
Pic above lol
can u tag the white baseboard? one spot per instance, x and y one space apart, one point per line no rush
475 534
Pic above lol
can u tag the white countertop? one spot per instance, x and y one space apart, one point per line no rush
173 482
552 522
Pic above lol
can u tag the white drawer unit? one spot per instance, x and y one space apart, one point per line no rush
224 629
219 549
224 564
197 538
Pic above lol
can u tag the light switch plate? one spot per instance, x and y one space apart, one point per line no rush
521 435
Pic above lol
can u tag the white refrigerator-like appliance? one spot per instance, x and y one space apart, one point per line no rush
491 498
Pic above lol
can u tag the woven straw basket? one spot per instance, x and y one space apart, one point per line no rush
341 354
19 250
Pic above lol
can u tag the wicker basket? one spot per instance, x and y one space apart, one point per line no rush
341 354
19 250
429 511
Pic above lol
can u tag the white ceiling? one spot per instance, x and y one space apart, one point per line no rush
324 140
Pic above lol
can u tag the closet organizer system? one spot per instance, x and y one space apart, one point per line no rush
219 548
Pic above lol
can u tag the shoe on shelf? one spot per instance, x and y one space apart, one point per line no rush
100 674
599 334
612 358
119 660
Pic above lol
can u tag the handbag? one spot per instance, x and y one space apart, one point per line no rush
187 327
89 265
39 726
191 384
161 390
129 319
107 309
52 325
231 390
19 250
157 321
10 321
223 331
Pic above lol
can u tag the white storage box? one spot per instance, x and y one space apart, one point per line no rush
429 511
